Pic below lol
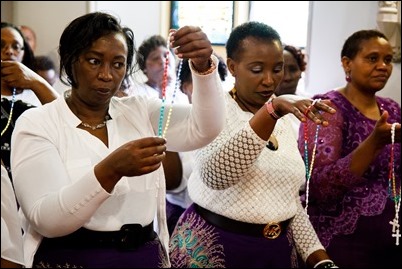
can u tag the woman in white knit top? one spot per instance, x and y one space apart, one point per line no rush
245 184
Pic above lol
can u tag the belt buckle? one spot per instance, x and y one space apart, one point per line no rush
272 230
130 236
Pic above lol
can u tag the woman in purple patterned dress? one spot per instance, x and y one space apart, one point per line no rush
350 202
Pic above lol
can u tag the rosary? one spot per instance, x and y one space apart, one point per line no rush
161 130
394 194
11 113
309 168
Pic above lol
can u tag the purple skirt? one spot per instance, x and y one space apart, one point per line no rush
197 243
173 213
371 245
149 255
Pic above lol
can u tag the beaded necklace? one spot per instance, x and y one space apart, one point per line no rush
309 168
161 130
394 193
177 86
11 113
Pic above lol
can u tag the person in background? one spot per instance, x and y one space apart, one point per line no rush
186 82
178 199
45 67
87 167
21 88
29 35
294 65
12 255
353 197
245 184
152 59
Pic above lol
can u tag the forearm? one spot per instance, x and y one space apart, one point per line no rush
173 169
44 91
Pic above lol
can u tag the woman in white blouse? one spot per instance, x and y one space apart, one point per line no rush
87 167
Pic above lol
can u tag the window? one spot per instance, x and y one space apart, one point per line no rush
289 18
215 18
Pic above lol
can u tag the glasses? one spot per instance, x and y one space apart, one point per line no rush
15 46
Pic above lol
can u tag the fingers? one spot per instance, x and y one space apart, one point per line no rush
192 43
150 141
384 117
138 157
314 110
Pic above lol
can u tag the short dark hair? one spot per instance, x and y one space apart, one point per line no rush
254 29
353 43
80 34
298 55
147 46
43 62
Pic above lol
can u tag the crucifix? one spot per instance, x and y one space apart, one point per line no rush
395 225
397 235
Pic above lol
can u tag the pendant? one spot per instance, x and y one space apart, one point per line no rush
395 230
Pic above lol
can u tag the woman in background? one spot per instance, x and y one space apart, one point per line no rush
353 197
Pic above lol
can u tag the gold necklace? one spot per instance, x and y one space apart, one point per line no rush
98 126
67 95
234 96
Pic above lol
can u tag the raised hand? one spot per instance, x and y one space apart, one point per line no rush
192 43
17 75
381 133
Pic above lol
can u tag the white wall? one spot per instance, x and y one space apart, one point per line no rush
142 17
331 23
48 19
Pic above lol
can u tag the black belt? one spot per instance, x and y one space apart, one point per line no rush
270 230
129 237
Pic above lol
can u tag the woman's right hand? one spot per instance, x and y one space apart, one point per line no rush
192 43
304 109
135 158
381 134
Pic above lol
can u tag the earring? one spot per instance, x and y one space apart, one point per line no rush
233 91
348 77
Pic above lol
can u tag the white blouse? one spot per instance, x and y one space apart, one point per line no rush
53 162
11 235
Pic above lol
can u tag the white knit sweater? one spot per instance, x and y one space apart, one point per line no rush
237 176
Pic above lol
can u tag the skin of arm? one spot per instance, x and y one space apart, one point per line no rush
16 75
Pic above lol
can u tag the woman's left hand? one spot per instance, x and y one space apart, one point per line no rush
192 43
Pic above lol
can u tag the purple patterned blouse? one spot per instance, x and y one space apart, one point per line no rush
337 198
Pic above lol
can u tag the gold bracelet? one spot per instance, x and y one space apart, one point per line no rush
212 67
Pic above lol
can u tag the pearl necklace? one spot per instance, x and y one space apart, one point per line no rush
11 113
98 126
394 194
